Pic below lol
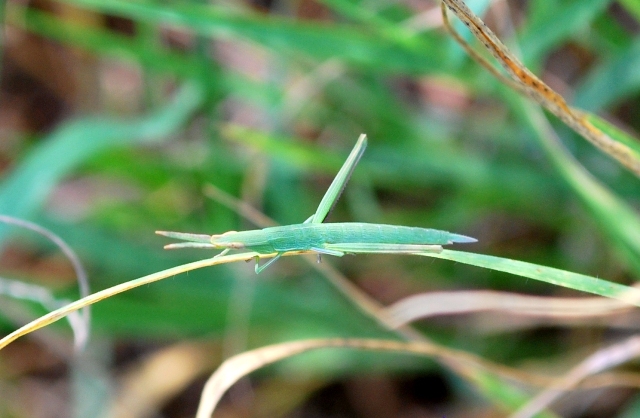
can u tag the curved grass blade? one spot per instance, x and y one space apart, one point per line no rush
82 325
60 313
483 373
550 275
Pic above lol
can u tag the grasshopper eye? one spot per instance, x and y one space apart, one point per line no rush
215 238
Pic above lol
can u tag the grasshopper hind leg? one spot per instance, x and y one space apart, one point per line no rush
321 250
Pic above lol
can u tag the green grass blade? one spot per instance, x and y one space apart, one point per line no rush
546 274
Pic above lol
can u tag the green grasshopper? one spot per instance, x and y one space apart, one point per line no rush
335 239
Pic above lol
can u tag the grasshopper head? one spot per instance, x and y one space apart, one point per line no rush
221 241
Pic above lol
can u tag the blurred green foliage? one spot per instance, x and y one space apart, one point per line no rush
450 148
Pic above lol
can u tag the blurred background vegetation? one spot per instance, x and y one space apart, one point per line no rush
118 116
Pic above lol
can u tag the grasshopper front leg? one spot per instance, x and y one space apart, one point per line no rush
259 267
